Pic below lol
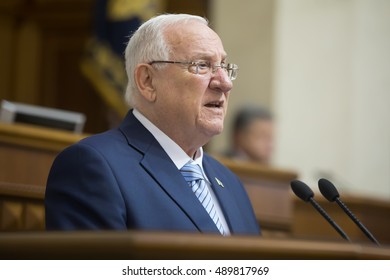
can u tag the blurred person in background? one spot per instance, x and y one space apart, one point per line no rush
252 135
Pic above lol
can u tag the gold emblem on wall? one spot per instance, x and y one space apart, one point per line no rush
124 9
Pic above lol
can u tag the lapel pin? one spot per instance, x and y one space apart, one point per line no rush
219 182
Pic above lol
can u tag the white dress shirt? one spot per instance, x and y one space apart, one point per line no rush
180 158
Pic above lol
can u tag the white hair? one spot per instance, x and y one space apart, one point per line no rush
148 44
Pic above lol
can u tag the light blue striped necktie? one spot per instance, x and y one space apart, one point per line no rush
194 177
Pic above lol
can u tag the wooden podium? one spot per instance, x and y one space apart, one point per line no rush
156 245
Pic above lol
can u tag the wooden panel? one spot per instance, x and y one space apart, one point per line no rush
26 166
6 55
373 213
269 192
44 41
21 207
199 7
27 152
163 245
11 215
42 138
271 203
26 155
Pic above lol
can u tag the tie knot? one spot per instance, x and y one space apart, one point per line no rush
191 172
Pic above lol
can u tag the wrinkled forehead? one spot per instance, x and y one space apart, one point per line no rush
194 40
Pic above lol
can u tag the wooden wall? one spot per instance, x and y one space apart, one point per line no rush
43 42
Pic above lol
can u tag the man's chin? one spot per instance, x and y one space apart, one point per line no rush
213 130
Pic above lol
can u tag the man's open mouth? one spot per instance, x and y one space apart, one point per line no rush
215 104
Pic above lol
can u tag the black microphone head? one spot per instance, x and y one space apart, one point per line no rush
328 190
301 190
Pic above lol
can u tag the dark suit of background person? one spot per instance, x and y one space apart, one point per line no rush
124 179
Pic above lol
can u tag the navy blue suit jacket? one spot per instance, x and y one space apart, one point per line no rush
123 179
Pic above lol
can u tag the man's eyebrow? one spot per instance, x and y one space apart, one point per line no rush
208 56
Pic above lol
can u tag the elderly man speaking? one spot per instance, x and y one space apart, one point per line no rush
151 173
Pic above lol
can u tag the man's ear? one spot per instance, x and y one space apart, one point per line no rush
143 76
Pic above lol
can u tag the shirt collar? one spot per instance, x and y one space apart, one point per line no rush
174 151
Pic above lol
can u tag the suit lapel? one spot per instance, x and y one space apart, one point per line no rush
163 170
225 198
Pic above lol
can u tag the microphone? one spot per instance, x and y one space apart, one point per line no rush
330 192
306 194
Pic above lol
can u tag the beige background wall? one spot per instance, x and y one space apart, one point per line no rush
324 68
247 33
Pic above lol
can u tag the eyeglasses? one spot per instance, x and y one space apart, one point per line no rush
205 67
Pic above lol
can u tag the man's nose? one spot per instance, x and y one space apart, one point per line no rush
220 80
